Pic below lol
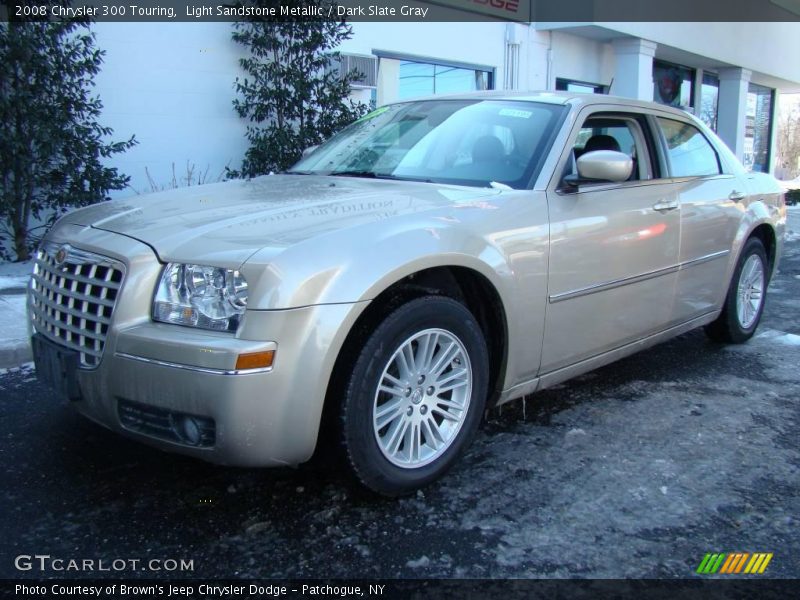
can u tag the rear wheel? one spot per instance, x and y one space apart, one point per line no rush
416 395
744 303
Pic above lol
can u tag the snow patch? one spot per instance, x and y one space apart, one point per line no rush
14 272
8 282
422 562
24 367
576 431
13 328
779 337
788 339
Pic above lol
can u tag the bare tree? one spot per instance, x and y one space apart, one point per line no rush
788 139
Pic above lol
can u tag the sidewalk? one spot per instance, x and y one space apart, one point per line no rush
14 345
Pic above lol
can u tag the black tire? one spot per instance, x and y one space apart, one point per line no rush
728 327
424 317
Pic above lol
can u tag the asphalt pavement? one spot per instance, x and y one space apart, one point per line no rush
635 470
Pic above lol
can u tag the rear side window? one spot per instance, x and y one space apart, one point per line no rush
690 153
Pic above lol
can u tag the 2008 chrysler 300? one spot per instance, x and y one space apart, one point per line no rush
434 258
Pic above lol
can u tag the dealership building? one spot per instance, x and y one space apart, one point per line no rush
171 84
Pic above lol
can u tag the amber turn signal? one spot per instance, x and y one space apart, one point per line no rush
255 360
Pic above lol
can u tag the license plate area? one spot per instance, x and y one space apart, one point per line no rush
56 366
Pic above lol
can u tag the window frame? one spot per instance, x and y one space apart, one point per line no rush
643 136
490 70
711 79
755 88
599 88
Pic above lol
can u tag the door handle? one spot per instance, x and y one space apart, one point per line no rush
736 196
665 205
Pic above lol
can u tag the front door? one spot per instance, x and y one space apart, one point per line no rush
614 247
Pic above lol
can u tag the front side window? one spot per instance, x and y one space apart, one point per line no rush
690 154
620 134
464 142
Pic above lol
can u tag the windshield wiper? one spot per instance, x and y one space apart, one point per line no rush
374 175
365 174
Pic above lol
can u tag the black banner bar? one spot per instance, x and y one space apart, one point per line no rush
404 10
391 589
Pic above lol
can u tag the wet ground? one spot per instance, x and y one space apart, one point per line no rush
634 470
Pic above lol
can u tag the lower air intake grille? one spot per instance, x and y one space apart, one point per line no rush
172 426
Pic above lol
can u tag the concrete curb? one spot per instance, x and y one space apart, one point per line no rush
15 355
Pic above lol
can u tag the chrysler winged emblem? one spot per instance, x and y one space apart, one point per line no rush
62 255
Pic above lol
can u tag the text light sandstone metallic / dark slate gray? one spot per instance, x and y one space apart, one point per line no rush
434 258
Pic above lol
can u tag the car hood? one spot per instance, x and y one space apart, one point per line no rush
225 223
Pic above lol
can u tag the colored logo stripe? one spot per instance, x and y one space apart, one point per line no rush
734 562
758 563
710 563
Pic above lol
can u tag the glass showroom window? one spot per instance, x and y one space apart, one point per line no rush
672 84
757 128
426 79
570 85
709 100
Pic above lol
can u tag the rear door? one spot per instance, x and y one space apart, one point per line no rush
614 247
710 213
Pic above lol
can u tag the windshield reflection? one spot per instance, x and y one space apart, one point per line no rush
467 142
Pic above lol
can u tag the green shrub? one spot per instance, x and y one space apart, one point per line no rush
53 149
291 94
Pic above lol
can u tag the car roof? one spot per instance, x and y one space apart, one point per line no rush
562 98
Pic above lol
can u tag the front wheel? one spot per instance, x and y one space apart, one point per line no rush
415 396
744 303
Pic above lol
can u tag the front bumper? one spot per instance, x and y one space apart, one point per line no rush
153 375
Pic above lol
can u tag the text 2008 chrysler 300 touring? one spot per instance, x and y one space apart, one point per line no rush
434 257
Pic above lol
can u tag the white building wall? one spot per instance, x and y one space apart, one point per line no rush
581 59
479 43
770 49
171 85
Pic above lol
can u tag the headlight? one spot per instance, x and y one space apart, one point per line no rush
198 296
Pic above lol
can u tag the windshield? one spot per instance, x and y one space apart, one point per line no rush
466 142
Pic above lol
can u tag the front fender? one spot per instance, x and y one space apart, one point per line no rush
359 265
505 239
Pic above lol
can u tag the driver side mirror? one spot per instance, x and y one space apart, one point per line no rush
599 166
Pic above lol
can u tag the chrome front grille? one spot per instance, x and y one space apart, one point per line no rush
72 298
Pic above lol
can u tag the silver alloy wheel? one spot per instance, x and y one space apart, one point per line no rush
422 398
750 293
